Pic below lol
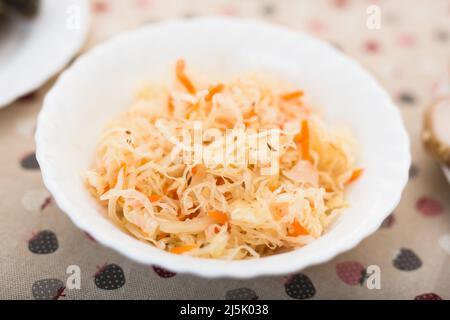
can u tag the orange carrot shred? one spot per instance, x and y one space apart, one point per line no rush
297 230
197 168
292 95
182 77
194 108
251 114
161 235
355 175
303 140
214 90
221 218
170 105
154 197
198 173
181 249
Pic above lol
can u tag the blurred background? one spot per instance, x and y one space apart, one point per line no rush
405 45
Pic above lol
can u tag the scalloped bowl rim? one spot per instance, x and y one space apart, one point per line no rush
272 265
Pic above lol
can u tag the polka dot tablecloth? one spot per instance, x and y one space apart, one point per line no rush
409 54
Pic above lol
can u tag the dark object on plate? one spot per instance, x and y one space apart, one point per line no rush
26 8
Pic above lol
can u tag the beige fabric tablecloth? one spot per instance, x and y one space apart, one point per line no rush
408 55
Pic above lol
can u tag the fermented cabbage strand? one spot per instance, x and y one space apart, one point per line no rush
221 211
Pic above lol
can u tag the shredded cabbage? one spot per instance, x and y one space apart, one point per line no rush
215 210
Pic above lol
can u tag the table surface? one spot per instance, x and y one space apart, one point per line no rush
408 55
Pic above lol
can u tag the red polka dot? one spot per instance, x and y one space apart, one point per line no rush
371 46
100 7
406 40
316 26
144 3
28 97
351 272
228 11
428 296
429 207
340 3
163 273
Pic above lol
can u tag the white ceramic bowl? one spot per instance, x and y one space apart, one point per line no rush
32 51
102 82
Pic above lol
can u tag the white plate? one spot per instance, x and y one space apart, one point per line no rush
71 123
31 51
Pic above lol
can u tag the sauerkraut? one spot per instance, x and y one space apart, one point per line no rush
220 209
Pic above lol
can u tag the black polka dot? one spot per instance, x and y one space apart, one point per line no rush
407 260
389 221
336 45
47 289
29 162
189 15
442 36
390 18
407 98
268 9
299 286
413 171
110 277
241 294
45 242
